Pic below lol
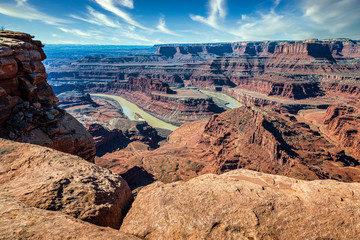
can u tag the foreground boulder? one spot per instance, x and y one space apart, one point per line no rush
52 180
20 221
243 204
28 105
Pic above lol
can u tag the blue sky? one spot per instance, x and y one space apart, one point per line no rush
148 22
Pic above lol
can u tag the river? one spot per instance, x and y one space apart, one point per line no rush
228 101
133 112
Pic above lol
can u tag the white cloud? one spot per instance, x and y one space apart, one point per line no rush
76 32
110 5
162 27
217 10
127 3
336 16
263 26
97 18
21 9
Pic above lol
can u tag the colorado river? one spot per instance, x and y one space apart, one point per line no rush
230 102
133 112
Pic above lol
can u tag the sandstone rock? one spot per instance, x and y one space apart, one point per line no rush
105 140
20 221
245 137
5 109
242 204
48 179
27 101
344 123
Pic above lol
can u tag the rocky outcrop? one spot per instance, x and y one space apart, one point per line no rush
344 123
245 137
21 221
148 86
75 98
105 140
28 104
47 179
342 89
194 49
243 204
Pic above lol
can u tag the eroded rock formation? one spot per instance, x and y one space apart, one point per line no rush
248 138
28 104
344 123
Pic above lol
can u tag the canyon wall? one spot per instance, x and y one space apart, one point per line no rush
245 137
344 123
281 69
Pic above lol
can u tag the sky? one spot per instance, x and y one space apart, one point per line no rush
149 22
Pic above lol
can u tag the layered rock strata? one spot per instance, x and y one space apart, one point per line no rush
28 104
344 123
245 137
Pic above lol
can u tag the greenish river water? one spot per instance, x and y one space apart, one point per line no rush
133 112
227 100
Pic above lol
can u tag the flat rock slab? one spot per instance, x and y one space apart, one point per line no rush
243 204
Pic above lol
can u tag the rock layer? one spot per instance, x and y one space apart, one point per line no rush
28 104
245 137
243 204
344 123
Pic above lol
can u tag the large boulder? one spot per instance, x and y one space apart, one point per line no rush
52 180
243 204
21 221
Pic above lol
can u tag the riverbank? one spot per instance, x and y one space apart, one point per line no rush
133 112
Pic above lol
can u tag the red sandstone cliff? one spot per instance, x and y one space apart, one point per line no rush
344 123
28 104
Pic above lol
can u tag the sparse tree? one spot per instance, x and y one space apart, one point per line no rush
2 28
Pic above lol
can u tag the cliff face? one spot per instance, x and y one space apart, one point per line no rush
344 123
285 70
311 48
28 104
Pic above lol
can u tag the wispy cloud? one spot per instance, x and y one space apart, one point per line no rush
126 3
336 16
97 18
111 6
162 27
22 9
217 10
76 32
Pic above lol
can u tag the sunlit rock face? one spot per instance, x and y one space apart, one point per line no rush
29 105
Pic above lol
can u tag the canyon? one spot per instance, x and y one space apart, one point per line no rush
244 140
